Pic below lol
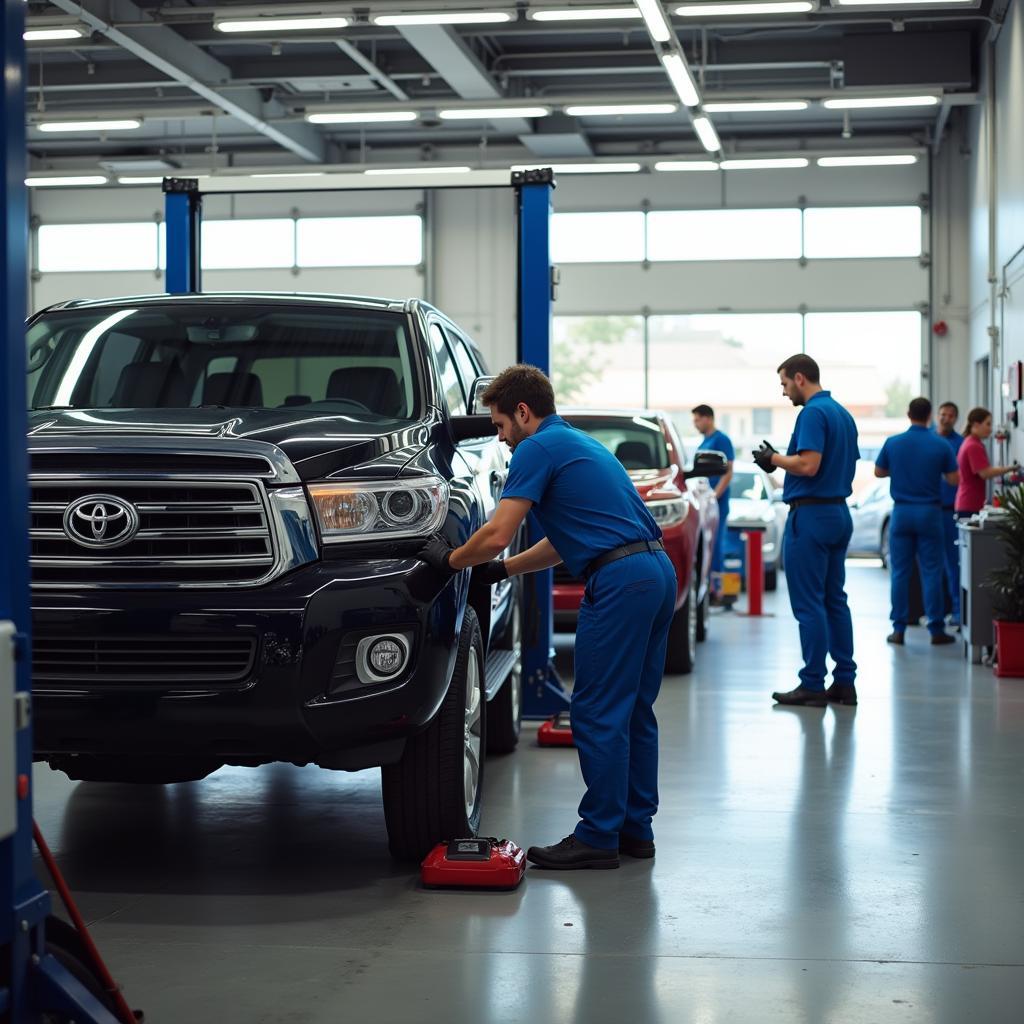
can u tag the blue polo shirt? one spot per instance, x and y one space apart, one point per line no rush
948 491
719 442
916 460
584 499
824 426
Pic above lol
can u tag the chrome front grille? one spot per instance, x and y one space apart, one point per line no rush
172 662
191 532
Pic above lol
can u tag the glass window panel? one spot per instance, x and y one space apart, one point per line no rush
597 237
446 368
636 441
360 242
247 244
723 235
726 361
77 247
871 362
597 362
862 231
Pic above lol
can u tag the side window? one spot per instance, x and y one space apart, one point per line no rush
467 367
449 376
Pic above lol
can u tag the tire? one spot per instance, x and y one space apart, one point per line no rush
682 639
65 945
505 712
704 617
883 545
434 792
771 578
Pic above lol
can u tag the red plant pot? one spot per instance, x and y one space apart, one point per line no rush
1010 649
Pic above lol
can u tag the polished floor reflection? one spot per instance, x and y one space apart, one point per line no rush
836 865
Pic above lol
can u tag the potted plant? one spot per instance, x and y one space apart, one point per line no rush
1008 586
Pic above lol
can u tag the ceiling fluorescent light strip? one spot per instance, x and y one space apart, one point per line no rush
686 165
880 102
729 10
654 18
311 24
706 133
361 116
66 181
621 109
134 179
445 18
892 160
765 164
42 35
584 14
681 79
89 126
490 113
755 107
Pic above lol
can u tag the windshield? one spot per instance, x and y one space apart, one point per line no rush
637 443
221 355
748 485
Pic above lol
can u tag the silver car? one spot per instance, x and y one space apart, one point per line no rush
755 500
871 511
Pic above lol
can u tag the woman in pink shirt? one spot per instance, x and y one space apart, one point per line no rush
972 460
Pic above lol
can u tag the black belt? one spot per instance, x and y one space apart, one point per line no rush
624 552
918 504
797 502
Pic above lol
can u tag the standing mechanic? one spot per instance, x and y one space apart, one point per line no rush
946 429
716 440
597 524
819 465
918 461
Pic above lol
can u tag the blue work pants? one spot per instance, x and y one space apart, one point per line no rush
951 557
621 639
917 531
814 549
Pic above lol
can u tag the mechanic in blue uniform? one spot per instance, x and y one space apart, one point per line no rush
946 428
594 521
716 440
917 462
819 466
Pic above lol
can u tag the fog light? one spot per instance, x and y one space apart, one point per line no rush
386 657
381 658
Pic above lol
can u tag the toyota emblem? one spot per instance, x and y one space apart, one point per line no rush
101 521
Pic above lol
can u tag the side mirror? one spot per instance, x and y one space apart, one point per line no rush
470 428
480 385
707 463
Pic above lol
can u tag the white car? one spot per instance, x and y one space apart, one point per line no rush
871 510
755 500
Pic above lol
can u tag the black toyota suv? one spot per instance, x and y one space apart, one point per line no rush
228 493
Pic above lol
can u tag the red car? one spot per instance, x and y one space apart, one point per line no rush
682 503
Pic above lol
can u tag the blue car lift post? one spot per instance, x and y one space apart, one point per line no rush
543 692
32 981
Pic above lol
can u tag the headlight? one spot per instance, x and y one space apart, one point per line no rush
362 511
668 512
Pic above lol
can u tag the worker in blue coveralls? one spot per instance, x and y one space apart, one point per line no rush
819 466
594 521
716 440
917 462
946 428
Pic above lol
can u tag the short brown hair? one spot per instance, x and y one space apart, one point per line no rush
801 363
703 410
919 410
521 383
976 416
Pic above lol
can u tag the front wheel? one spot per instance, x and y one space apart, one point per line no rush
704 616
682 638
434 792
771 578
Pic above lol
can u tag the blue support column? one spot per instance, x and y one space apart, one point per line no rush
183 215
543 694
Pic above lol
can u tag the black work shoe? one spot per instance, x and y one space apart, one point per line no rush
842 693
942 638
802 698
642 849
895 638
571 854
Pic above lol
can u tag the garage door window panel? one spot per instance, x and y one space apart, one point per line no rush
862 232
70 248
597 237
359 242
598 361
687 235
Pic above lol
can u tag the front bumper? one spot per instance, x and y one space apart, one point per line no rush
299 700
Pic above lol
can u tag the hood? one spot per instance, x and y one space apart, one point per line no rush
317 444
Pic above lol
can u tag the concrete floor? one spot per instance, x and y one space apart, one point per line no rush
813 866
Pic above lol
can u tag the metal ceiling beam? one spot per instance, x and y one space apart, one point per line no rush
134 29
370 68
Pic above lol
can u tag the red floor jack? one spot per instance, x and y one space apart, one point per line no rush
556 732
474 864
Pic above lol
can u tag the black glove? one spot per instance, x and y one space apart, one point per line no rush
436 553
763 456
491 572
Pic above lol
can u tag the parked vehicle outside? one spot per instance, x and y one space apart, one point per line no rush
682 503
755 501
871 511
228 494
